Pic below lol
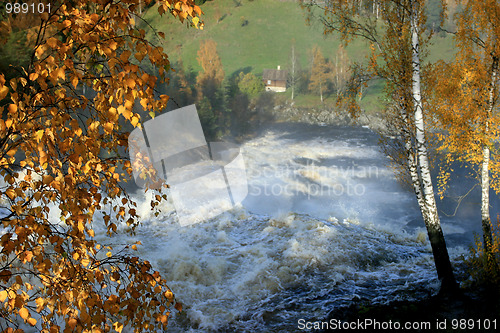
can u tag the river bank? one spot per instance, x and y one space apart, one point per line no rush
476 310
288 112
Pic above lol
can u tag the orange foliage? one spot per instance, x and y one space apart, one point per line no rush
213 73
461 91
319 72
53 143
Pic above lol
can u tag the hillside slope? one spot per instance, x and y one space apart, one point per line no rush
255 34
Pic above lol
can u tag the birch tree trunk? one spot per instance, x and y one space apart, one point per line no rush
485 176
337 73
410 158
294 60
321 91
428 204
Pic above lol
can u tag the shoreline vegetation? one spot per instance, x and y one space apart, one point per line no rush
326 115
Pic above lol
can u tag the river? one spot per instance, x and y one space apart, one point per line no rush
325 223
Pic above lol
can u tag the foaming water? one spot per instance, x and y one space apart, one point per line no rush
324 223
325 171
247 272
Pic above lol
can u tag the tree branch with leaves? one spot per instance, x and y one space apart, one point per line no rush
466 99
61 154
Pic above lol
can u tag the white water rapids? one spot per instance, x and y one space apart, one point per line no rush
324 223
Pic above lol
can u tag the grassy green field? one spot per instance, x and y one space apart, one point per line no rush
264 41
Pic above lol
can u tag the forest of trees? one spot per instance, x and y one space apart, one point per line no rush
226 104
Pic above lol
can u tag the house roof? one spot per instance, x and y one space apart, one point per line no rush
274 74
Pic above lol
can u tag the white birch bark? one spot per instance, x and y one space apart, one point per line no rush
337 72
485 183
429 209
485 175
410 157
293 60
321 91
485 196
423 160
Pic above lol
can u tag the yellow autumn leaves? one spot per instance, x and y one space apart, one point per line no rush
69 144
